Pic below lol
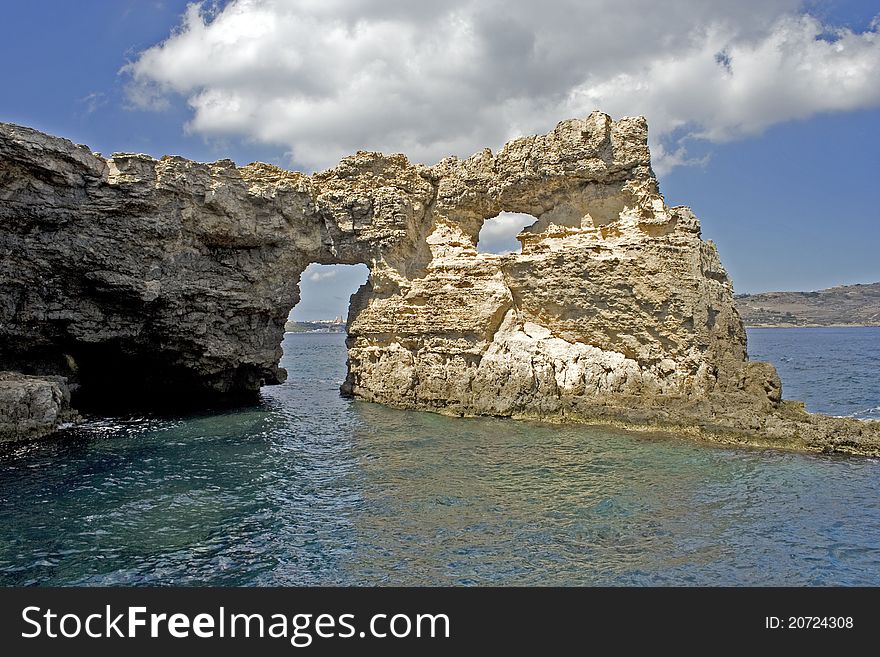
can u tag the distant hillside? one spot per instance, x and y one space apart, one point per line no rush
318 326
846 305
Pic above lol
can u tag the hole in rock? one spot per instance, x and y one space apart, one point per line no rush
498 235
314 347
325 291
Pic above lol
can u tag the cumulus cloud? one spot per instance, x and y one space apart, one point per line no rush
324 78
498 235
317 273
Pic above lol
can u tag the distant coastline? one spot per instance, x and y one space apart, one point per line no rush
841 306
845 306
316 326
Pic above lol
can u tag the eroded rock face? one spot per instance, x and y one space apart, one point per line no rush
614 293
32 406
179 276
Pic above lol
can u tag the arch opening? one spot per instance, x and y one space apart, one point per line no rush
498 234
314 349
325 295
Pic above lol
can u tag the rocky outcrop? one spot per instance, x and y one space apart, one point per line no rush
32 406
178 277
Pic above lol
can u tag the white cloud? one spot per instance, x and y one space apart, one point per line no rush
317 273
327 77
93 102
498 235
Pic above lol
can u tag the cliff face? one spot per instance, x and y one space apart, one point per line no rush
180 276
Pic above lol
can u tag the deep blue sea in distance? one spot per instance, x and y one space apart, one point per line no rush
308 488
834 370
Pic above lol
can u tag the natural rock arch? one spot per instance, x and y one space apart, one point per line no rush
179 276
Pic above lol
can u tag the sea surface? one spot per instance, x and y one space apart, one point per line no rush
834 370
310 488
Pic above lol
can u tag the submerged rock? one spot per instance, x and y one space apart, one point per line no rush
32 406
177 278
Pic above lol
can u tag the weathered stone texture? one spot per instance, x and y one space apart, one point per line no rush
32 406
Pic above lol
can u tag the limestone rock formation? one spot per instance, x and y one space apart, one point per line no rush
614 293
178 277
32 406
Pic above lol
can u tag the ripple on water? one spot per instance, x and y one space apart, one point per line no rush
310 488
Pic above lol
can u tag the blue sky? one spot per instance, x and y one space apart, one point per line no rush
778 156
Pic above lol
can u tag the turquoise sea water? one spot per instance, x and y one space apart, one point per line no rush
310 488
